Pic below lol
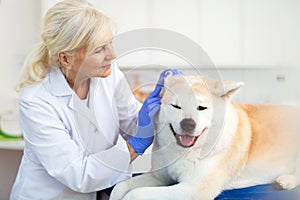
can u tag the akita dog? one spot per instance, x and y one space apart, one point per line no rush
205 144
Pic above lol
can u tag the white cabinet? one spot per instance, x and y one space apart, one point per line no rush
233 32
128 14
271 86
177 15
220 30
262 32
18 33
291 33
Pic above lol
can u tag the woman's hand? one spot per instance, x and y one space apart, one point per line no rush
145 134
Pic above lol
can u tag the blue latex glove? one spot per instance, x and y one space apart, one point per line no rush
168 72
145 133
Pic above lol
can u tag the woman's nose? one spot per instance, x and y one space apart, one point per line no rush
110 53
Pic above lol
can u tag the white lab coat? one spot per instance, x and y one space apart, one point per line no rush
71 150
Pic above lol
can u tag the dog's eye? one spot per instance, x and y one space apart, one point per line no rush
201 108
176 106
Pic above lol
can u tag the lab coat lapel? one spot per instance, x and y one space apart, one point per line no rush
87 127
81 109
86 124
60 88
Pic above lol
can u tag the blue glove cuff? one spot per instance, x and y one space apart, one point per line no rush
143 139
138 144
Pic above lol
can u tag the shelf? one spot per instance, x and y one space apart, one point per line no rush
12 145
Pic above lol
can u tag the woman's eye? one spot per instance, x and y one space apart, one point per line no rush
176 106
99 50
201 108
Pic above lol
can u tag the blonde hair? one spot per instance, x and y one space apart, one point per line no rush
68 25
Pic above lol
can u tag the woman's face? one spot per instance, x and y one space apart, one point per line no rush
96 64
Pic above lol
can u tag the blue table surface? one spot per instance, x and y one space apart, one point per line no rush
260 192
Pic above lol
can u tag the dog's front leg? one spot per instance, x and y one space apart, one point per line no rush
179 191
122 188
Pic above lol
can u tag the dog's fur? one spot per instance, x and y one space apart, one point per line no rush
205 144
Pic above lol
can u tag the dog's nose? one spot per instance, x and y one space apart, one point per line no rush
187 124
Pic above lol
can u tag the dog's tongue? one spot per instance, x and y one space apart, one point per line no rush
186 140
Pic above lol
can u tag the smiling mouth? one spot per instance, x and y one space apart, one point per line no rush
185 140
106 66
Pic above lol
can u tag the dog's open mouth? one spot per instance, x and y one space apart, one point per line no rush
185 141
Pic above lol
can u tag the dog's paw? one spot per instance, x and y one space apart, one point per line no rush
287 182
133 195
119 191
145 193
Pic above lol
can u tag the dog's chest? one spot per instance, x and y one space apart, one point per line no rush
184 168
191 167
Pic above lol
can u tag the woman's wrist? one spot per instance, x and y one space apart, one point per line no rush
133 153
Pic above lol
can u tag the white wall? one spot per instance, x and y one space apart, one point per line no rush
255 41
19 25
18 32
233 32
247 39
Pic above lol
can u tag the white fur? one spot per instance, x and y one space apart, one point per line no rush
212 164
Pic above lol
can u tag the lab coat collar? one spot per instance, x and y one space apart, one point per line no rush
60 88
58 84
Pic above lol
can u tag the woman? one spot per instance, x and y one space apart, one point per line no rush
74 103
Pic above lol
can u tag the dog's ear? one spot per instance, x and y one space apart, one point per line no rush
162 92
226 89
169 81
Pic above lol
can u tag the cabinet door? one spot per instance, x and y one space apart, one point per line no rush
262 32
271 86
220 30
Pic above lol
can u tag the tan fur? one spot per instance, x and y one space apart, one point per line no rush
274 131
241 144
237 145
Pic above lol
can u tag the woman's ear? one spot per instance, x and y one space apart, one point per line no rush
64 59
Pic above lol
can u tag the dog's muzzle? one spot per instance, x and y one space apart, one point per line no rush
185 140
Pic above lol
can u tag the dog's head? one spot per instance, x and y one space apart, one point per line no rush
189 104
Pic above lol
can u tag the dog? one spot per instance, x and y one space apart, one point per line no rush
205 144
